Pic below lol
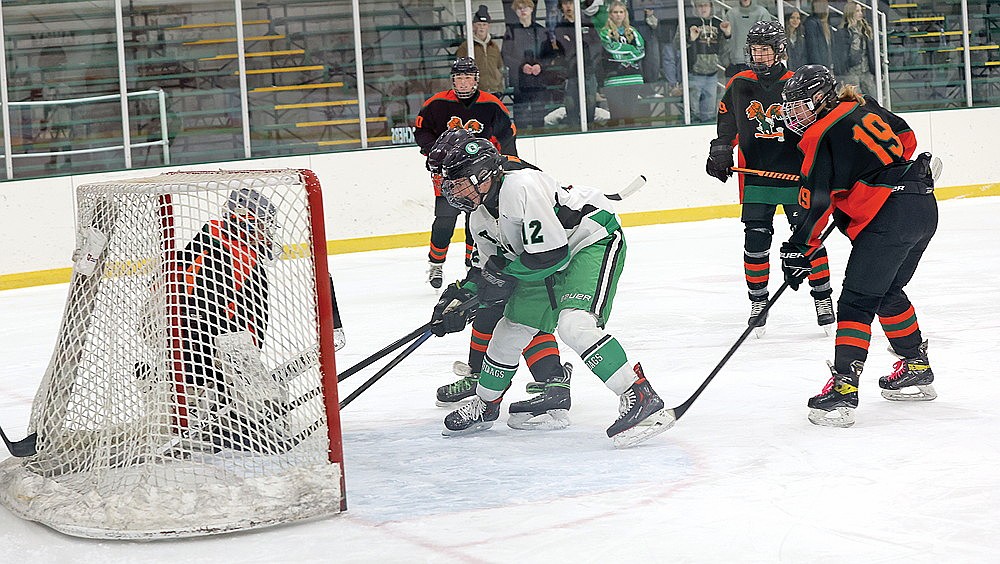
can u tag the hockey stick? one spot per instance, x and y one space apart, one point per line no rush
632 188
766 173
465 306
681 409
399 358
22 448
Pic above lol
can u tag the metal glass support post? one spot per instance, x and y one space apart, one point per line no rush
241 59
122 84
359 66
8 159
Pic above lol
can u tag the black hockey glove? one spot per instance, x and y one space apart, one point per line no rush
497 286
446 318
794 264
720 161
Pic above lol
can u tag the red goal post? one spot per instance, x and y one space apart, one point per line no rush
194 370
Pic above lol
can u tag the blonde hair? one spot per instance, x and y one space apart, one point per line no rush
850 93
612 30
851 8
518 3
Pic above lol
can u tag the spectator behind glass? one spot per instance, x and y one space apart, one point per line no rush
569 112
741 17
705 44
487 57
855 50
551 14
624 50
796 47
521 48
819 36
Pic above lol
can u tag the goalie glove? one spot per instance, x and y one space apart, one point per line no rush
794 264
720 161
446 319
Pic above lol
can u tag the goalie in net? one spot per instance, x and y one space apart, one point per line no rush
194 370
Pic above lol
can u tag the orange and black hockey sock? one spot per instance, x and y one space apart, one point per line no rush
819 278
542 357
902 330
482 331
757 260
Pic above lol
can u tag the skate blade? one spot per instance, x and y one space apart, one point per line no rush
474 428
454 404
548 421
759 331
839 417
830 329
921 393
646 429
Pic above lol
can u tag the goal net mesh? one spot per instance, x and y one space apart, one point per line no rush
186 394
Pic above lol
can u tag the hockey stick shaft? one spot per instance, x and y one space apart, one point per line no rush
632 188
465 306
766 173
385 369
679 411
22 448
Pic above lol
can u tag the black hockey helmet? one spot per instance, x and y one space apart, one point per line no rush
466 66
808 95
771 34
252 218
445 143
466 168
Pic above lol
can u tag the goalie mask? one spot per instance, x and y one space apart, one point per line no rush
808 96
253 219
762 35
464 77
444 144
471 171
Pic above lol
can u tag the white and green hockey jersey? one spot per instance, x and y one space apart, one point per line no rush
538 225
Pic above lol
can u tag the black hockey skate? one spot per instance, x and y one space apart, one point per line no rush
825 317
477 415
459 391
547 410
435 274
835 405
909 373
757 320
641 414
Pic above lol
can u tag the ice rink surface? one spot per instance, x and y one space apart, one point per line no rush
743 477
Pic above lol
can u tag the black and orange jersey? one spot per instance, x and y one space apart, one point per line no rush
223 284
483 114
750 117
844 167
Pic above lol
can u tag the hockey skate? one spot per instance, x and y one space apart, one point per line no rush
825 318
835 405
910 379
546 411
435 274
475 416
757 320
641 414
459 391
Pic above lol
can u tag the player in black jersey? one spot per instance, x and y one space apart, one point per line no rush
856 168
750 113
464 106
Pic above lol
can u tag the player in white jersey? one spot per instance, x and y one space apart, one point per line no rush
553 255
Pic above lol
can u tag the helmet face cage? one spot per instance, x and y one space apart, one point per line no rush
253 219
806 95
443 145
770 34
466 168
464 66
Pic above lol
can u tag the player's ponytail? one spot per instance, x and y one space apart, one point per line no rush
850 93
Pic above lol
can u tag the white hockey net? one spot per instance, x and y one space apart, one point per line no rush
192 388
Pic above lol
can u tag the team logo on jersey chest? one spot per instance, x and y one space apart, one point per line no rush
473 125
768 121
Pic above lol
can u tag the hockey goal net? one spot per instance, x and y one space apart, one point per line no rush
192 390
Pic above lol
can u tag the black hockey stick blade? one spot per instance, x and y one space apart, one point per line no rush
632 188
385 369
22 448
681 409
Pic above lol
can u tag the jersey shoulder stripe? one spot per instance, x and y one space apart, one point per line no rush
812 136
447 95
